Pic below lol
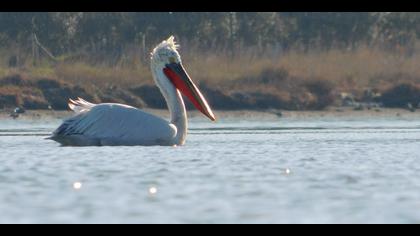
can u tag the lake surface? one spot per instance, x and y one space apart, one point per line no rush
314 170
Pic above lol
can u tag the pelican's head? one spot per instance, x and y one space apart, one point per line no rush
166 59
165 52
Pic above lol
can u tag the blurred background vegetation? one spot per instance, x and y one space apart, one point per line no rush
248 59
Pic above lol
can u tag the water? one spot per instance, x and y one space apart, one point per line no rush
314 170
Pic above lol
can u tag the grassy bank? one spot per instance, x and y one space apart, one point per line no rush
293 80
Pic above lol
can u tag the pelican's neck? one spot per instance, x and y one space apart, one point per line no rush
175 104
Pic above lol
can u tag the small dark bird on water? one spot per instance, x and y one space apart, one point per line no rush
16 112
19 110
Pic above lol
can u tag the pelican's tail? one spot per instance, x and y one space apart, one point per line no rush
80 105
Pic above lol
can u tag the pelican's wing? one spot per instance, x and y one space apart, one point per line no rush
116 124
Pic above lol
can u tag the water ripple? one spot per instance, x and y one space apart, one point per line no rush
243 172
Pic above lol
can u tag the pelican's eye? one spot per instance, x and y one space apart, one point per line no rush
172 60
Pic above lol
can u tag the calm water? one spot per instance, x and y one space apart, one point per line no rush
234 171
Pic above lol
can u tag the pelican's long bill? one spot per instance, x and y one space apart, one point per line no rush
182 81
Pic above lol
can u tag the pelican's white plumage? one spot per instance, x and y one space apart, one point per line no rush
111 124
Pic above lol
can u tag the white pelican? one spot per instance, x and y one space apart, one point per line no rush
111 124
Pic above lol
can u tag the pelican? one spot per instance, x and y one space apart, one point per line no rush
112 124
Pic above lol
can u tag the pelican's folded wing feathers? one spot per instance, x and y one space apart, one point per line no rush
114 124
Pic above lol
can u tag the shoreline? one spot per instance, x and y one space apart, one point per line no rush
331 112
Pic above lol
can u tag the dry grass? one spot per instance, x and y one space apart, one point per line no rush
347 70
79 73
359 69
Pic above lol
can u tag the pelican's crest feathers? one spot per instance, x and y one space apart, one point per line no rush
169 43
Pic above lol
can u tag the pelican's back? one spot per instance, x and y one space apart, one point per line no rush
113 124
